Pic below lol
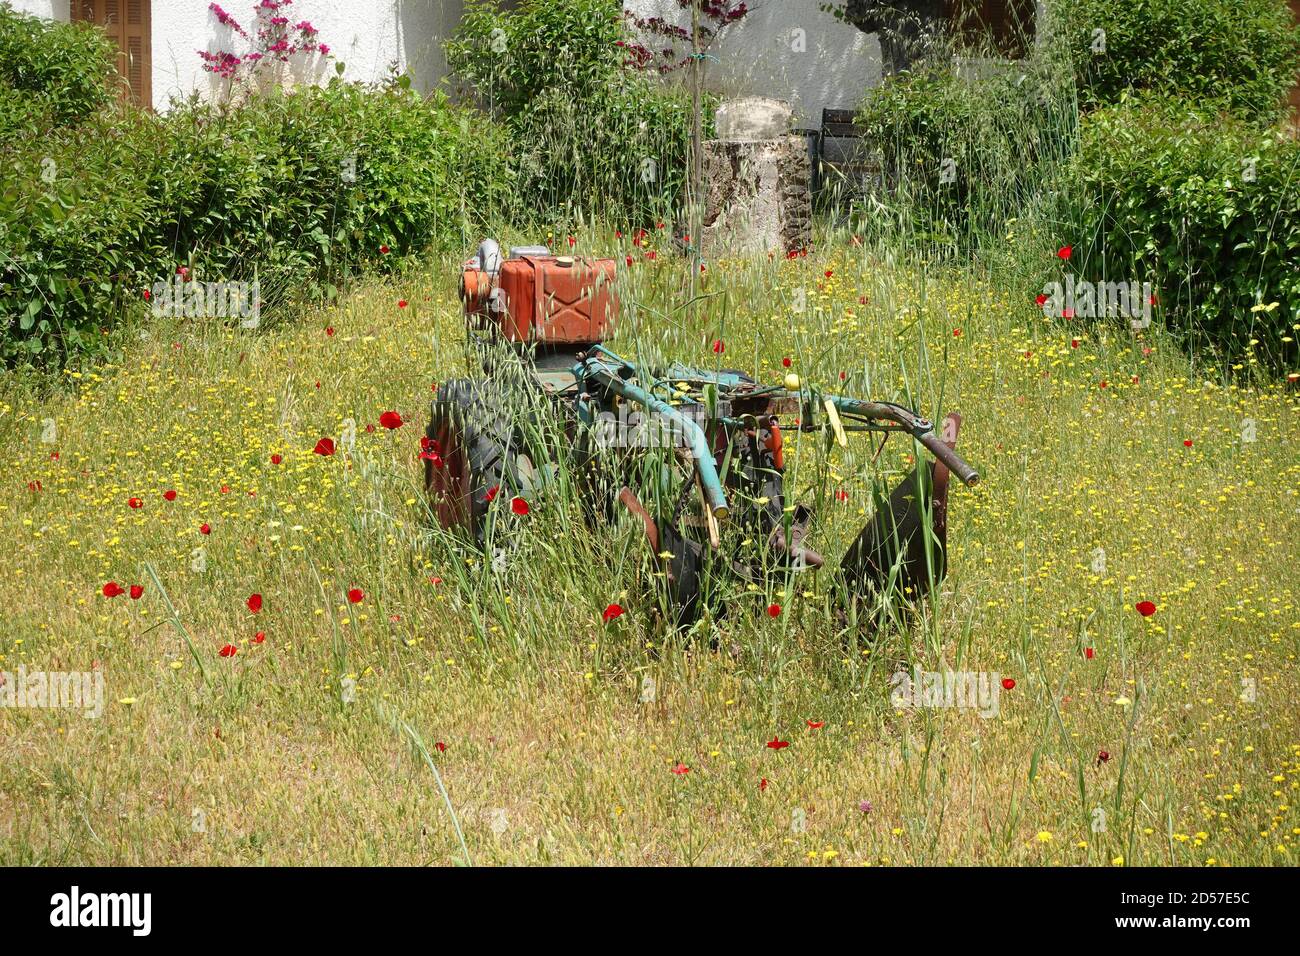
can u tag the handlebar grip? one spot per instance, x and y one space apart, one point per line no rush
968 475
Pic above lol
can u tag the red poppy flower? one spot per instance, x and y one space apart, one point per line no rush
777 744
276 459
135 503
718 347
762 785
205 529
956 333
1067 313
786 361
1145 608
136 591
829 273
1008 683
401 303
383 250
774 610
519 506
259 637
329 330
441 747
1074 343
230 650
681 769
356 596
225 489
1103 756
841 376
1187 443
147 295
391 420
1088 653
112 589
254 602
491 494
324 447
169 494
629 260
1041 299
611 612
815 724
841 495
1065 252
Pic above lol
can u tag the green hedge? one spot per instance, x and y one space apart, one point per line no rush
591 137
60 69
1243 51
261 191
1206 207
963 155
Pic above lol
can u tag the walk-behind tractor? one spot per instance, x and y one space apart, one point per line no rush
696 456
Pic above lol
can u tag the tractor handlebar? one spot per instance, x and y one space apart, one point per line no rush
921 429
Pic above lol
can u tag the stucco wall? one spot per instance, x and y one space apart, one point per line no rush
788 49
367 35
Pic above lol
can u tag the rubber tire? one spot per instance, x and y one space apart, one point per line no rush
471 418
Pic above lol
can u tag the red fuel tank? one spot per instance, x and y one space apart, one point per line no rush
545 300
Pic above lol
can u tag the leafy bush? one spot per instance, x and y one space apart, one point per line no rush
259 191
962 155
62 69
590 135
1243 51
1206 206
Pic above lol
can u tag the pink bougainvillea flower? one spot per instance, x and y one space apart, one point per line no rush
254 602
356 596
230 650
136 591
135 503
1008 683
774 610
1145 608
391 420
519 506
611 612
112 589
169 494
681 769
324 447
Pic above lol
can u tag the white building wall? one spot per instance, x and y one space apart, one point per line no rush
787 49
366 35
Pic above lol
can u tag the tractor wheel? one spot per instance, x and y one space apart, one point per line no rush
473 455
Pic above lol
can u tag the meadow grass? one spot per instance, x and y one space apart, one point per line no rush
466 711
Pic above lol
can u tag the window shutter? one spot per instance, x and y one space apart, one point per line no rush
127 24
